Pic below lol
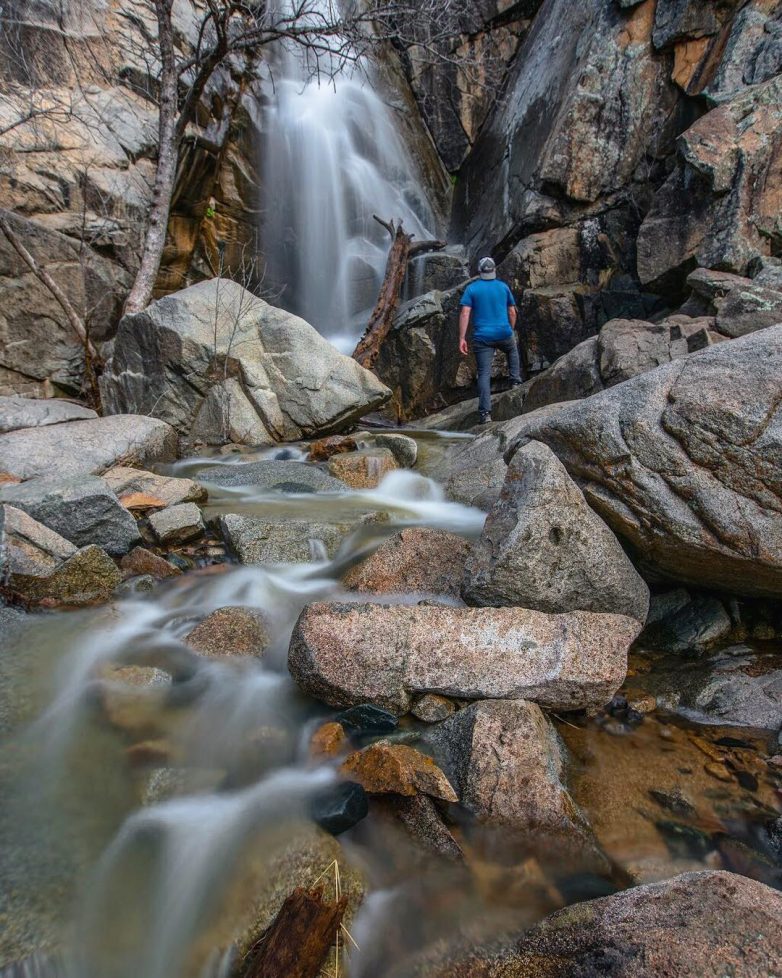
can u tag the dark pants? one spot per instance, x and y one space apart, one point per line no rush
484 355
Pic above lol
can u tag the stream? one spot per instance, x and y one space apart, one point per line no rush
156 800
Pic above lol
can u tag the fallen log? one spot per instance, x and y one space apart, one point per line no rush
299 939
382 318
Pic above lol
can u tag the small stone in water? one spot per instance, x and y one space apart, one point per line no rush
616 728
617 705
684 841
338 808
329 740
673 801
747 781
644 704
634 718
718 771
431 708
366 719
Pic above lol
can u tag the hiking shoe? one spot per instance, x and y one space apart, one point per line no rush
485 417
517 383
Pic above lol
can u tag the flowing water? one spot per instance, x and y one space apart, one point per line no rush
332 156
153 798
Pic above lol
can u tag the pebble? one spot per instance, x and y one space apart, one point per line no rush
718 771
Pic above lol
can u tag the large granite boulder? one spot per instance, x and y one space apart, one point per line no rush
697 924
214 352
82 447
507 764
82 509
623 349
543 547
684 462
345 654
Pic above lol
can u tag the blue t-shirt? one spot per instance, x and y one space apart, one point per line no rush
489 300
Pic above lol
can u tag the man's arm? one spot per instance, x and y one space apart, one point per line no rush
464 322
512 316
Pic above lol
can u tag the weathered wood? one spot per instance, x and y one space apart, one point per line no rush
382 318
299 938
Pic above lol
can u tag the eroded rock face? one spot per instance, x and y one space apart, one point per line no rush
543 547
696 924
387 654
91 446
720 207
170 358
585 97
683 462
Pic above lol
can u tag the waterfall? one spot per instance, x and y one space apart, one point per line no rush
332 157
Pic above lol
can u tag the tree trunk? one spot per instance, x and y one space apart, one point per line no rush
165 175
382 318
299 938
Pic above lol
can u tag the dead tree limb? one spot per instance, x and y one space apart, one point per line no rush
299 938
382 318
45 278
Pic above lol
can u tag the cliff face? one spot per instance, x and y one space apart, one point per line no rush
78 132
633 141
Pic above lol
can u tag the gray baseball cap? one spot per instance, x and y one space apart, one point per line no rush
487 269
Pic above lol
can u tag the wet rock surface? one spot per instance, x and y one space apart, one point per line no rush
384 654
259 541
362 469
739 684
543 547
272 476
385 768
507 765
230 631
414 560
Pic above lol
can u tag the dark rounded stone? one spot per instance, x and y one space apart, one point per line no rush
338 808
366 720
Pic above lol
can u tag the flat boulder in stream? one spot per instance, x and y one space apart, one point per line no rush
345 654
83 447
272 475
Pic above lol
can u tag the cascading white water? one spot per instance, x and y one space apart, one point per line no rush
165 869
332 157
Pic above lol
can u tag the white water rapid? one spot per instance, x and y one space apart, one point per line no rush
332 156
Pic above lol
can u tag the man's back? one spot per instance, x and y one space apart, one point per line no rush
489 301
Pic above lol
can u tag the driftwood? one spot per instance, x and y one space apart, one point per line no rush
382 318
299 938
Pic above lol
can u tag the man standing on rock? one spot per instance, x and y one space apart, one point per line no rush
493 310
